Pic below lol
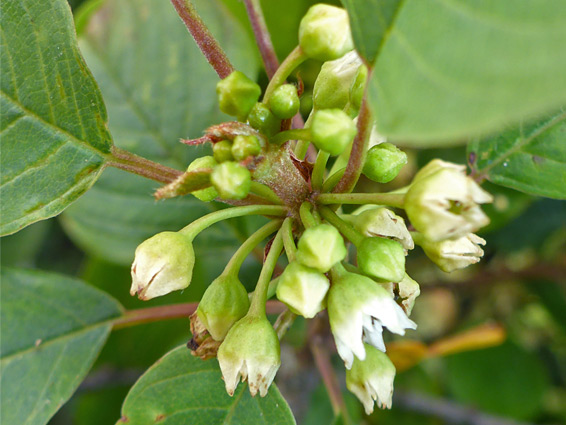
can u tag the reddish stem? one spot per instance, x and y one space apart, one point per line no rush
263 39
204 38
358 153
174 311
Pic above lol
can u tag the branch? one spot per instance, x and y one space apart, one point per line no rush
135 164
204 38
358 153
173 311
263 39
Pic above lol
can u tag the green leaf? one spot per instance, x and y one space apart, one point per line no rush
505 380
453 69
530 158
53 125
370 22
158 88
52 330
181 388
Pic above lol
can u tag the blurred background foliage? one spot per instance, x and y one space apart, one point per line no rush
514 301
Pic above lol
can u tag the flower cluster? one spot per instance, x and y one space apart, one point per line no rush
258 166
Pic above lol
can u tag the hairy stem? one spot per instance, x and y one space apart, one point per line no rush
135 164
248 246
295 134
173 311
263 39
288 239
295 58
204 38
306 215
395 200
197 226
265 192
319 169
358 153
343 227
259 299
333 180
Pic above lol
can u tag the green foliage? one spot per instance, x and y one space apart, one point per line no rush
54 135
530 158
52 330
192 391
156 91
454 69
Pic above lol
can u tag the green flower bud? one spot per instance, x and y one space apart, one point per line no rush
222 151
210 193
284 101
162 264
250 351
442 202
324 32
244 146
332 86
224 302
332 130
320 247
384 223
262 119
372 379
383 162
237 95
302 289
382 258
358 87
231 180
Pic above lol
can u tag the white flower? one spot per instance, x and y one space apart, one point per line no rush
162 264
454 254
385 223
442 202
372 379
358 309
250 351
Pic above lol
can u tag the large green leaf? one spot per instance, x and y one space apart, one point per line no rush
158 88
530 158
451 69
53 125
52 330
370 22
182 389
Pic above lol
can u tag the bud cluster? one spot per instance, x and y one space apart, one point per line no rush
252 167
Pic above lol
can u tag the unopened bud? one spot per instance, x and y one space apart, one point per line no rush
409 290
208 194
222 151
332 130
324 32
358 87
284 101
262 119
384 223
332 86
303 289
162 264
382 258
320 247
453 254
383 162
231 180
224 302
244 146
237 95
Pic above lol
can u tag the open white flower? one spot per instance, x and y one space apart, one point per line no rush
358 309
454 254
250 351
443 203
372 379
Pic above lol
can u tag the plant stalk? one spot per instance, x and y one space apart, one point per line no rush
206 42
135 164
295 58
263 39
395 200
